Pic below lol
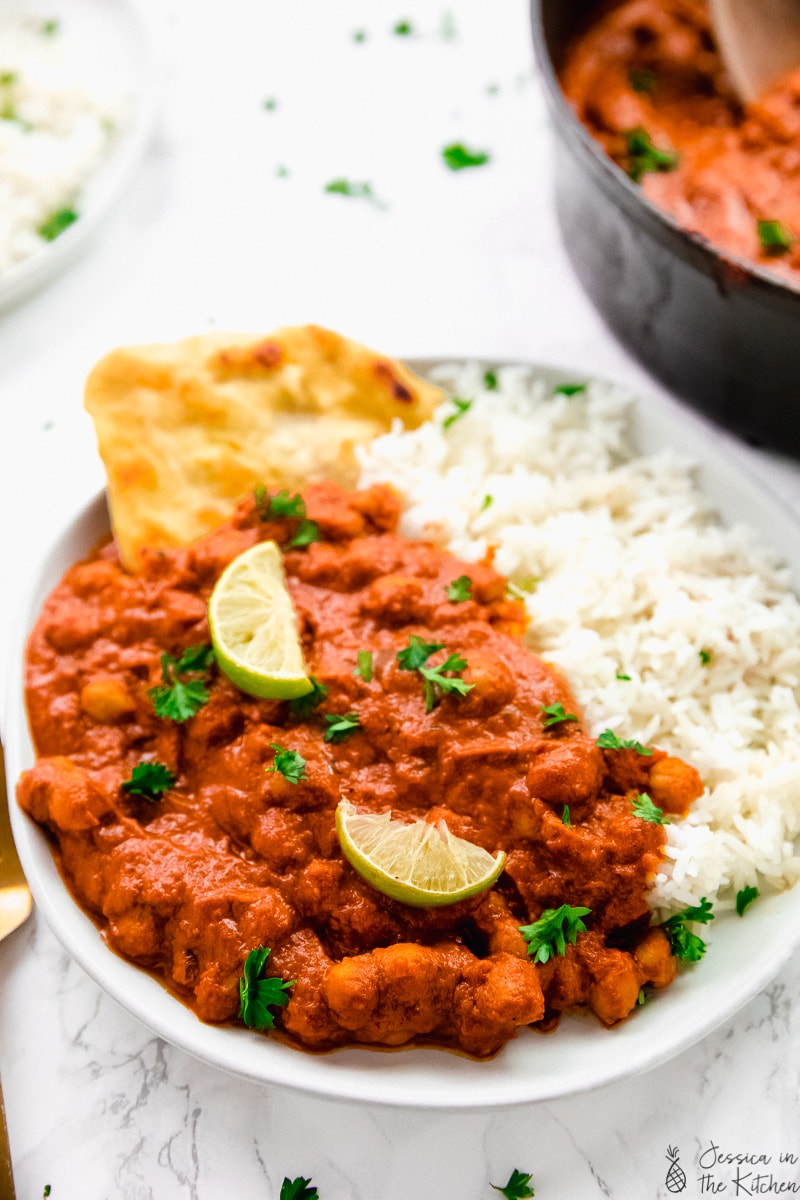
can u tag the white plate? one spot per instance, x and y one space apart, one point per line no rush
121 32
744 956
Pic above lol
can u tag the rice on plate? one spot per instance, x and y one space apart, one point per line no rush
670 628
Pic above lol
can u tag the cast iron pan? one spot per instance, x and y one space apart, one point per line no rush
719 332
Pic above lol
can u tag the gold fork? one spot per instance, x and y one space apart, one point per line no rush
15 904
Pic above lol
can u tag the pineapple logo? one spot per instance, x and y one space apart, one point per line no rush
676 1176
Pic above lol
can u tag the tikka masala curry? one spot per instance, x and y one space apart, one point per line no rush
235 855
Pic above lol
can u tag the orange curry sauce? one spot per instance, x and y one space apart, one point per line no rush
652 65
235 856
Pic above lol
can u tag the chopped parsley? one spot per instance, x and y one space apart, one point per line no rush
46 1191
565 817
436 682
273 508
150 780
569 389
298 1189
183 690
417 653
622 675
490 381
517 1188
259 993
356 190
556 926
775 237
359 35
685 945
643 156
745 898
270 104
55 224
487 500
340 727
403 29
642 80
644 808
282 172
459 590
49 28
608 740
457 157
364 665
461 408
554 714
288 763
705 657
301 706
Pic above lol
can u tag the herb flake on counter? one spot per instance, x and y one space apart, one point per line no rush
298 1189
150 780
643 156
775 237
745 898
57 223
363 666
459 590
685 945
403 29
462 407
270 104
555 714
608 740
644 808
518 1186
458 157
301 706
359 35
340 727
258 993
288 763
354 189
178 698
555 928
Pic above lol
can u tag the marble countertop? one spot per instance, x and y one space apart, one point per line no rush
211 234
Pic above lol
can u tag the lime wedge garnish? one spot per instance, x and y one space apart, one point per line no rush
416 862
254 627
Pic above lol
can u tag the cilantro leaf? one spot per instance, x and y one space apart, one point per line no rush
685 945
301 706
569 389
177 698
56 223
340 727
565 817
438 685
298 1189
644 156
257 993
556 926
364 665
461 408
149 779
456 156
356 190
417 653
745 898
459 590
402 29
490 381
622 675
271 508
775 237
518 1186
608 740
555 715
487 500
644 807
288 763
307 532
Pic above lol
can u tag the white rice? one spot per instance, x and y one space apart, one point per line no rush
627 570
57 122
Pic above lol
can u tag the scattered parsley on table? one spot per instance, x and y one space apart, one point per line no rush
150 780
183 690
457 157
556 926
518 1186
288 763
356 190
258 992
298 1189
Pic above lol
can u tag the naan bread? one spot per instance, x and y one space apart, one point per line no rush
186 430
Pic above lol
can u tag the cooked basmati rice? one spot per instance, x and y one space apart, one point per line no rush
670 627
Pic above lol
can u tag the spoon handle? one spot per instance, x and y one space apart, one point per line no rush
6 1174
759 41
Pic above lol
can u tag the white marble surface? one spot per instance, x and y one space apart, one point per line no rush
208 236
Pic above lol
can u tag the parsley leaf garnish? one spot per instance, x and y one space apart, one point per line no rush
301 706
270 104
340 727
288 763
307 532
359 35
705 657
685 945
355 190
490 381
569 389
608 740
258 994
177 698
644 807
554 714
403 29
487 500
775 237
565 817
457 157
272 508
556 926
150 779
56 223
745 898
643 156
461 408
417 653
622 675
298 1189
518 1186
459 590
438 685
364 665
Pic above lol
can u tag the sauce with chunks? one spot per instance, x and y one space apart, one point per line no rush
653 66
233 855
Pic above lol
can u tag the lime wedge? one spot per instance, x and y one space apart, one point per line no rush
254 627
418 863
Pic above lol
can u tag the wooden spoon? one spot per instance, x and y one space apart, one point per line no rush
759 41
